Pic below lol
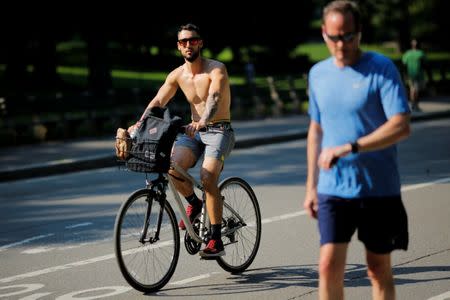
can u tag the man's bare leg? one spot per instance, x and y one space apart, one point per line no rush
331 271
210 173
379 271
185 158
414 97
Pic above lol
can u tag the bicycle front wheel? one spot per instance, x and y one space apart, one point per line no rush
146 262
241 228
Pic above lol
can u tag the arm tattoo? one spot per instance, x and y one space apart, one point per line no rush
212 103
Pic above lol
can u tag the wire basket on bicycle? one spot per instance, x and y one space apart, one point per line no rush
152 142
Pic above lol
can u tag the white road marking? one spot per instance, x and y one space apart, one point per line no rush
192 279
79 225
284 217
38 250
56 268
443 296
114 290
35 296
23 288
78 263
111 256
4 247
425 184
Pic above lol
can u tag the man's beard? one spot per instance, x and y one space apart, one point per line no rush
192 57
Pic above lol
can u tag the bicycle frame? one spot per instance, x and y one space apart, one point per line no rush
201 236
197 237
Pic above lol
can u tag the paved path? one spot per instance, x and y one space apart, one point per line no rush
74 155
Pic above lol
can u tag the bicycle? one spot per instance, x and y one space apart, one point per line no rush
147 237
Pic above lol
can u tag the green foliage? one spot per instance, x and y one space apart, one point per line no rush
226 55
319 51
205 52
438 55
315 51
68 46
421 12
387 49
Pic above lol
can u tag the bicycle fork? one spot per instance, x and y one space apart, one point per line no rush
148 213
153 196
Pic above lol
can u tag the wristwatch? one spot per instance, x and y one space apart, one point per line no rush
355 147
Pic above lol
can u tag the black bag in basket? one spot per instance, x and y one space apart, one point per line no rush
152 144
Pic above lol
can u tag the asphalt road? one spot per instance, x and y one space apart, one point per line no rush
56 232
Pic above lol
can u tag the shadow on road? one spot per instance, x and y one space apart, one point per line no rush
282 277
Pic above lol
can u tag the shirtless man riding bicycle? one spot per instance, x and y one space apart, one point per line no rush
205 84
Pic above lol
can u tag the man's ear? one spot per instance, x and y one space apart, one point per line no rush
323 33
359 33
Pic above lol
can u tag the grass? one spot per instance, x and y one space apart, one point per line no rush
319 51
125 78
315 51
134 79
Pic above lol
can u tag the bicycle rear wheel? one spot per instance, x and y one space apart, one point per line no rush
242 221
149 264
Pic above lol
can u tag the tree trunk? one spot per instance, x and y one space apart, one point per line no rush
16 62
99 79
45 63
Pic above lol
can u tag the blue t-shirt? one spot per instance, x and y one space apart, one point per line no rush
351 102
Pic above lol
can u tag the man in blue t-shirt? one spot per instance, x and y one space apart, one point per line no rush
359 111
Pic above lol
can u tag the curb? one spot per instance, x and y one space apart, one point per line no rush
61 168
104 161
430 116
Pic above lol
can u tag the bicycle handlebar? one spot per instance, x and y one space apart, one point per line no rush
182 129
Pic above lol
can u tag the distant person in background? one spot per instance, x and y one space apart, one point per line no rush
359 110
250 72
414 61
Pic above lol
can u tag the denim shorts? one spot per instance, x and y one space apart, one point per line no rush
213 141
382 222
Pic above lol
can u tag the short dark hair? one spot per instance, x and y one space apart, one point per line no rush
190 27
344 7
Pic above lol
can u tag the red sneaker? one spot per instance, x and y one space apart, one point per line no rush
192 212
213 249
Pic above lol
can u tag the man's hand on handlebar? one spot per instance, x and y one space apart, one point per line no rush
192 128
134 127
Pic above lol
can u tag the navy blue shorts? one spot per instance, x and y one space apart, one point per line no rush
382 222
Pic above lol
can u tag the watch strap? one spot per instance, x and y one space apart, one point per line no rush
355 147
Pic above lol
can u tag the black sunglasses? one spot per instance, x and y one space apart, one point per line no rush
193 41
346 37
